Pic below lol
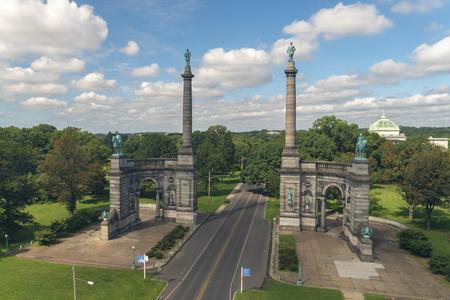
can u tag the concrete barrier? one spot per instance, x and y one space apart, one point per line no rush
388 222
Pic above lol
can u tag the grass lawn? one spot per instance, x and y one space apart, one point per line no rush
394 208
29 279
46 213
272 208
219 192
274 290
147 200
374 297
287 241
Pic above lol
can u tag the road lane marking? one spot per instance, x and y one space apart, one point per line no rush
207 244
245 243
222 251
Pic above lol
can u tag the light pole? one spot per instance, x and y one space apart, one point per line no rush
74 281
6 242
133 261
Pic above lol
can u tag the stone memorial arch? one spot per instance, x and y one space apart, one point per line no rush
174 179
303 184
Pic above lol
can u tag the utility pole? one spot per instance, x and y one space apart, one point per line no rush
209 185
74 284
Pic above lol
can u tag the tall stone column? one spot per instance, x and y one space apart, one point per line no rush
187 110
290 189
186 193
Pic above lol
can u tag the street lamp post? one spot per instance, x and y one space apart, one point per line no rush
133 261
74 283
6 242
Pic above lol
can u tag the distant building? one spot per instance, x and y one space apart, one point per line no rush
387 129
442 142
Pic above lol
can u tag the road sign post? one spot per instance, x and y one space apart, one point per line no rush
245 272
143 259
242 278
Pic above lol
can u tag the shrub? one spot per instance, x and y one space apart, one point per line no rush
415 242
47 238
288 259
421 248
168 242
439 264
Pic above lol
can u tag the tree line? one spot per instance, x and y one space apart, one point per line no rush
44 164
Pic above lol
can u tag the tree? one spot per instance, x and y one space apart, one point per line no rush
214 151
315 145
67 167
342 133
150 145
17 163
427 179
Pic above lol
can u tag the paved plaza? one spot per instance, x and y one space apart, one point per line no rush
86 248
328 262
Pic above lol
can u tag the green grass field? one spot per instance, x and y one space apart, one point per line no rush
394 208
274 290
272 208
218 194
287 241
29 279
374 297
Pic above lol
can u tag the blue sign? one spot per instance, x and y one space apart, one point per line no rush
140 258
247 272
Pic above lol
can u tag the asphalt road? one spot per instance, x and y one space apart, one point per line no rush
208 265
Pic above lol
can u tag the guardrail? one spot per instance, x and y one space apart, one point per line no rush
326 166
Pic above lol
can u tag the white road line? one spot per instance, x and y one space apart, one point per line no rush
245 243
207 244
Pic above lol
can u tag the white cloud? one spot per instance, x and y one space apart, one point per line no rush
389 67
92 97
94 81
171 92
330 23
48 64
437 53
434 26
171 71
35 88
151 70
43 102
131 49
416 6
53 27
19 74
234 69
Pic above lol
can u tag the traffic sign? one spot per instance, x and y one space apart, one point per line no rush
142 258
246 272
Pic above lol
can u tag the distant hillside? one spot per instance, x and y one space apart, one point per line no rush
426 131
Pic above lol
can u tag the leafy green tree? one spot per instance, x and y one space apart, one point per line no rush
17 188
315 145
67 167
215 152
426 180
150 145
342 133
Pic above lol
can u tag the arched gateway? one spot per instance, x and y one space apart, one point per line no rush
303 185
174 179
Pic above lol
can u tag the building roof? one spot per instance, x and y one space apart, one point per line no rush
383 123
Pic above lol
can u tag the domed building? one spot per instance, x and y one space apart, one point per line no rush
387 128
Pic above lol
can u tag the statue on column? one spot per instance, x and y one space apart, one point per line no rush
361 147
117 143
187 58
290 51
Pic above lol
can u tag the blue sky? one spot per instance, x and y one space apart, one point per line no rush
115 65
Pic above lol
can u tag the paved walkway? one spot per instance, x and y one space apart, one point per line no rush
86 247
328 262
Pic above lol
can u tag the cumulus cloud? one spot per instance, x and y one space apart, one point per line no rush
131 49
60 65
92 97
94 81
151 70
43 102
416 6
19 74
389 67
35 88
235 69
53 27
331 23
171 71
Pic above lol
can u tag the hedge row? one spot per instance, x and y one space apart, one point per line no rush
288 259
168 242
58 229
415 242
440 264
